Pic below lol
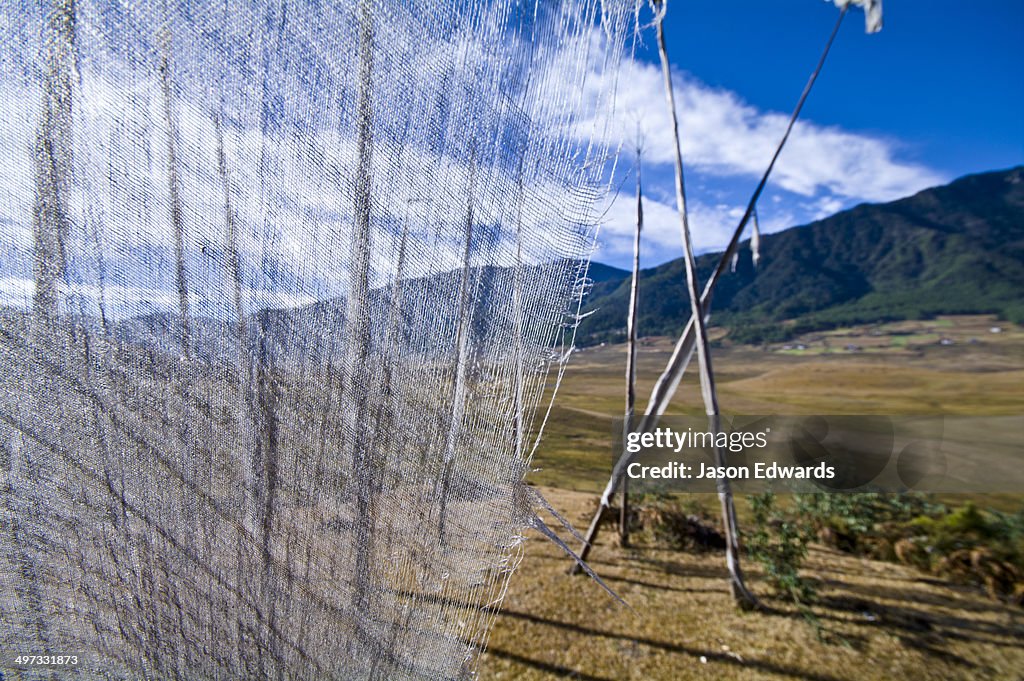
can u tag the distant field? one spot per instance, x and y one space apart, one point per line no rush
899 368
879 620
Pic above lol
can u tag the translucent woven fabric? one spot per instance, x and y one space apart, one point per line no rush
280 287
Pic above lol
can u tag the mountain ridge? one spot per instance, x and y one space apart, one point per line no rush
953 249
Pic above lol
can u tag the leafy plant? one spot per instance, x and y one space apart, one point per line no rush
779 544
860 522
966 544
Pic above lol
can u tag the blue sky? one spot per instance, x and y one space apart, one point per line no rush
937 94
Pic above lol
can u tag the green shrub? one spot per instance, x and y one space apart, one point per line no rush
974 546
862 522
965 544
779 544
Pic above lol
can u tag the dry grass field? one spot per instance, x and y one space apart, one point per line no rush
876 621
899 368
873 620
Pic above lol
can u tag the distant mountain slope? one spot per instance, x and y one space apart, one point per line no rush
599 272
946 250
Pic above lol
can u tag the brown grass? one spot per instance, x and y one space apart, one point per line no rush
912 379
875 620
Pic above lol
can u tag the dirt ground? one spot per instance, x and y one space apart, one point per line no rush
875 620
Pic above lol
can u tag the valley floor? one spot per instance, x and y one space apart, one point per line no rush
874 620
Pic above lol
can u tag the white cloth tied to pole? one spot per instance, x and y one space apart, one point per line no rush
872 12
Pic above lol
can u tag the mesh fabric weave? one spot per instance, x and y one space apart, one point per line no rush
280 288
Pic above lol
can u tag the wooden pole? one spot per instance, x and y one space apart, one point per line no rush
627 424
669 380
357 320
51 222
707 373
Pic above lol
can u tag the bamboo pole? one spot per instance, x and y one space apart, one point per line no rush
462 338
668 382
357 318
230 231
707 373
50 227
177 211
52 157
627 424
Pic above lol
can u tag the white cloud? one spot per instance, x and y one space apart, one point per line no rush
724 136
728 142
710 225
